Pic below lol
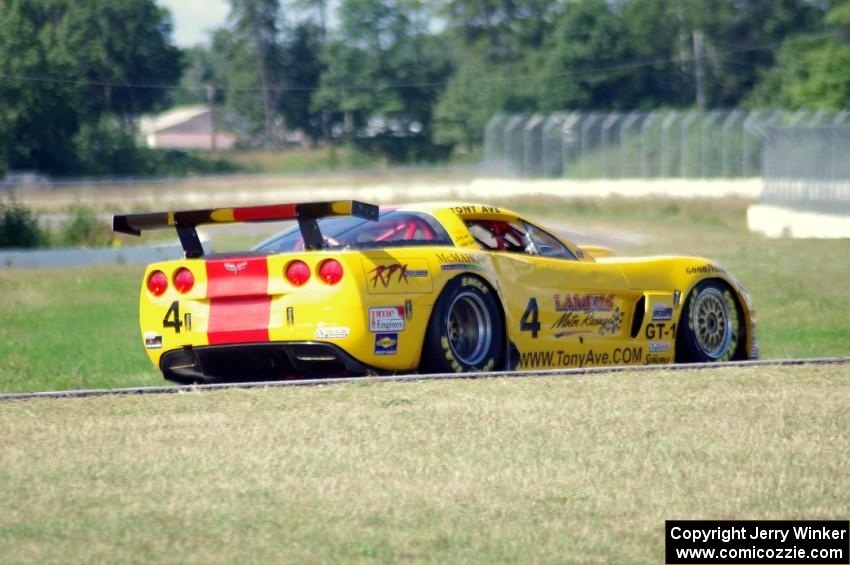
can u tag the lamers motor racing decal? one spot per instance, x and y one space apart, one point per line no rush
584 302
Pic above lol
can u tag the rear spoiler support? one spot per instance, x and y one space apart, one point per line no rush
186 221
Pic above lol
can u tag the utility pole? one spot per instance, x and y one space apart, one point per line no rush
211 102
699 69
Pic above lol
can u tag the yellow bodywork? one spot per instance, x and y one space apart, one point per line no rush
584 310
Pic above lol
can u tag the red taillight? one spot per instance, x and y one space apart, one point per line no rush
330 271
184 280
298 273
157 283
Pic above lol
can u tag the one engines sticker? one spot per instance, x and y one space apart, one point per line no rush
386 319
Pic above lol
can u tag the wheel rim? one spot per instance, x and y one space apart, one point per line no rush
711 323
470 330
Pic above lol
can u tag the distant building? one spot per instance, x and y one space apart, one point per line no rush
186 127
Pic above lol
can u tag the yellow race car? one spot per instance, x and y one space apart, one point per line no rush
354 289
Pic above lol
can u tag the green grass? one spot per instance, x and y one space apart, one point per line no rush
77 328
71 328
566 470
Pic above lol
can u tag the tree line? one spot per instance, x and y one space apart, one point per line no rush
408 79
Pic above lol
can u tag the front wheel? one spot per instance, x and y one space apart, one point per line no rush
466 332
711 325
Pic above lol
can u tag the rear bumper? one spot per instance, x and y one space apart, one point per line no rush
259 362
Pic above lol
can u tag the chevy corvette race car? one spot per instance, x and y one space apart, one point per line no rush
354 289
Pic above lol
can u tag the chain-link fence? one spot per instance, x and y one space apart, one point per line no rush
658 144
808 168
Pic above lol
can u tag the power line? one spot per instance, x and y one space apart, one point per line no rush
637 65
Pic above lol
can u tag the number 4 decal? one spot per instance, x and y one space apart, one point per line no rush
172 317
529 321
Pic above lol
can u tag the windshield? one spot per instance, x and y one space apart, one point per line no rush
392 229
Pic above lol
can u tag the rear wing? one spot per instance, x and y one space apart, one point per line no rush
187 220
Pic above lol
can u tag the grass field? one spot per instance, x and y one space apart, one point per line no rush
77 328
574 470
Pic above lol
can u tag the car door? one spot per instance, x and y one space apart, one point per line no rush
563 310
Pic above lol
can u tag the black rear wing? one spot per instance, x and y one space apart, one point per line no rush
186 221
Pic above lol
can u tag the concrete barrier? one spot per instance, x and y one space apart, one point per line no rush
777 221
53 258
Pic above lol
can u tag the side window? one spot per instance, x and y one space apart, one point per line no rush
546 245
496 235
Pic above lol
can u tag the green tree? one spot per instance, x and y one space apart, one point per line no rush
383 74
812 70
67 64
256 35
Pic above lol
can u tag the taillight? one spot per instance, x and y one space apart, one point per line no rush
184 280
297 272
330 271
157 283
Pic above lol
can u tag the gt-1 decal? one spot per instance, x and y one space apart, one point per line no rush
386 319
660 331
580 359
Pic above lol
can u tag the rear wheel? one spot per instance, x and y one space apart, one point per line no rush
466 331
711 328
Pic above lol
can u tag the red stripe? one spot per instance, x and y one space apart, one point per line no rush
239 320
240 306
257 213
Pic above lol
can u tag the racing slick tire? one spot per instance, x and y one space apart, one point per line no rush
466 332
711 327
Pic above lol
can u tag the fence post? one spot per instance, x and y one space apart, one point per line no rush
726 149
609 122
749 123
685 142
531 154
584 142
568 141
665 141
644 142
552 165
624 130
511 149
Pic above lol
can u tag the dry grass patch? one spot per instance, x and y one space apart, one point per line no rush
569 470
